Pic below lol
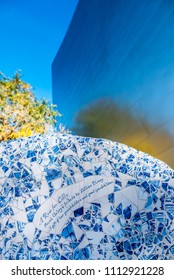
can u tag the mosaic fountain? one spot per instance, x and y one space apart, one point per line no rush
66 197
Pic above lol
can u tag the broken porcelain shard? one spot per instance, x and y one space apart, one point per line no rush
71 197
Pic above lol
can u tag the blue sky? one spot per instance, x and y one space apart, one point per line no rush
31 33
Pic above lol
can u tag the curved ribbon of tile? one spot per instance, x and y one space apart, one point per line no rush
70 197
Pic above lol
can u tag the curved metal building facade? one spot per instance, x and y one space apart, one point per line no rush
113 76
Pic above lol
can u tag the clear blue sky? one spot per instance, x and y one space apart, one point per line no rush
31 33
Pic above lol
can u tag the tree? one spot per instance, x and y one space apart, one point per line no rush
21 114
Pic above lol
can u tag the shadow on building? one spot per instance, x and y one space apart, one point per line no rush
104 118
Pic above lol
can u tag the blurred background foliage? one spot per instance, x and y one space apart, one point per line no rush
104 118
21 114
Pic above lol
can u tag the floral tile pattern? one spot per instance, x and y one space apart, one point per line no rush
68 197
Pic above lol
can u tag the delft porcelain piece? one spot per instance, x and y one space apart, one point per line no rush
69 197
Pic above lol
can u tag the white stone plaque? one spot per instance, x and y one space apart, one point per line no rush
54 213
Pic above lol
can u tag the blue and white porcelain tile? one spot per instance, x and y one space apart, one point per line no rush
70 197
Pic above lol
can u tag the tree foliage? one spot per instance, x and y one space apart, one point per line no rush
21 114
